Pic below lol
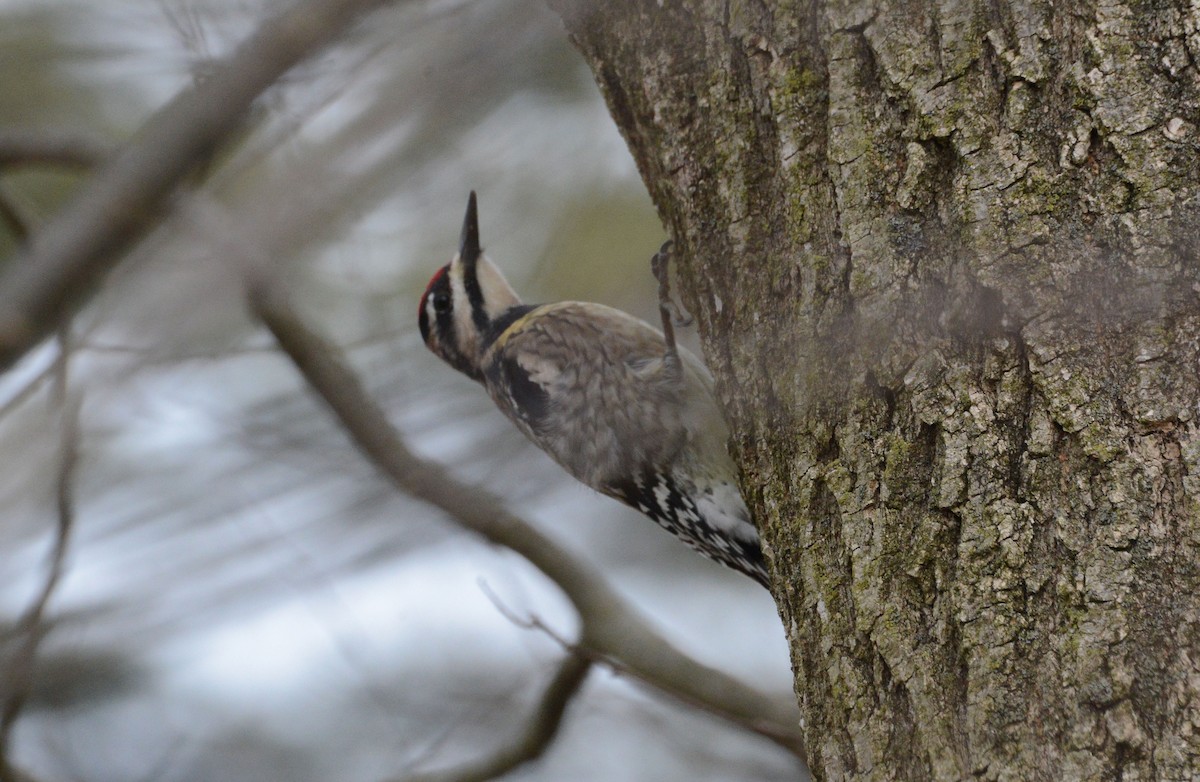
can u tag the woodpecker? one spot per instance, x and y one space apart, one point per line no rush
610 398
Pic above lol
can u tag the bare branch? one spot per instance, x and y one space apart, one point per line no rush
539 732
614 664
534 622
19 676
611 626
75 249
10 215
47 146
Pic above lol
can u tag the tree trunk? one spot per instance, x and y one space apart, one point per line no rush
944 262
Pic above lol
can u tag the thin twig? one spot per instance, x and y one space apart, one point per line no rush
611 626
537 735
32 625
613 663
531 622
73 251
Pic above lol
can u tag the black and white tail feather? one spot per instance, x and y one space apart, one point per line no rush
607 396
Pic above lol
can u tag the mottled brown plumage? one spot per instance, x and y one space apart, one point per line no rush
603 394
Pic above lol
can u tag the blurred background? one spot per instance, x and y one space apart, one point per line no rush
242 597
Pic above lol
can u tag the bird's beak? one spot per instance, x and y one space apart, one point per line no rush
468 245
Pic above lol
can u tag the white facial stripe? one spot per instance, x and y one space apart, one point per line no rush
464 326
498 295
430 312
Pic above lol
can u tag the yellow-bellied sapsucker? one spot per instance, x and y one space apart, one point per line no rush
606 395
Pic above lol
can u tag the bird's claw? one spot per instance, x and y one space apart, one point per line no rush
660 266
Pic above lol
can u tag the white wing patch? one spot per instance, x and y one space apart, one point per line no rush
540 369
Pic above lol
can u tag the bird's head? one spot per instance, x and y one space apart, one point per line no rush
462 301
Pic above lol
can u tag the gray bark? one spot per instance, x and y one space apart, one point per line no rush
944 261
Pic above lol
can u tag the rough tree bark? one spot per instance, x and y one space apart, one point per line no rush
944 261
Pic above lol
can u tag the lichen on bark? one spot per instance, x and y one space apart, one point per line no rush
944 261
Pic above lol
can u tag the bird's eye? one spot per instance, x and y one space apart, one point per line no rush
441 302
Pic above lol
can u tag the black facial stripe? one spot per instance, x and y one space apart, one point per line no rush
475 295
446 329
423 319
439 285
448 348
469 253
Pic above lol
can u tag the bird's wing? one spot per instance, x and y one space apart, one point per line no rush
591 370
